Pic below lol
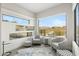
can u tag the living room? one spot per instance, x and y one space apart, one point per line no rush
20 29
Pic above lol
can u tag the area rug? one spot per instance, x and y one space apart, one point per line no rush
36 51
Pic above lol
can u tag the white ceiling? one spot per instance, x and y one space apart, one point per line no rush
37 7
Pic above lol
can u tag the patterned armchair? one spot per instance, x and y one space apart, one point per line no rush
61 43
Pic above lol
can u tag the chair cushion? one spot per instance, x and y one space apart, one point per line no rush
37 37
27 42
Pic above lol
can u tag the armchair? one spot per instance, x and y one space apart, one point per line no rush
61 43
36 40
28 42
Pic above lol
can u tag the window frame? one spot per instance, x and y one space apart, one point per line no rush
28 20
76 13
5 15
65 32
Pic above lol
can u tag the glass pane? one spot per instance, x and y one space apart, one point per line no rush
8 18
21 21
77 24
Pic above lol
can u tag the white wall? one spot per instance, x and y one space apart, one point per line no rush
6 29
75 48
62 8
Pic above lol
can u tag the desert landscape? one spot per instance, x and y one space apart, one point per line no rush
58 31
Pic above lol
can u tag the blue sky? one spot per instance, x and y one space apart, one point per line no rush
18 20
51 21
21 21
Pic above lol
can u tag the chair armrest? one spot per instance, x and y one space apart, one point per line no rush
58 45
58 39
63 45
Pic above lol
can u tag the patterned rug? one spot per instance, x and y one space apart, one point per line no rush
40 50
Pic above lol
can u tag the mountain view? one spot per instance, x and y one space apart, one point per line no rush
53 25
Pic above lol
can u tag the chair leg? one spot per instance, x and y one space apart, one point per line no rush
54 49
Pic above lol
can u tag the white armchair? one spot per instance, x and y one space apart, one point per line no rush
36 40
58 43
61 43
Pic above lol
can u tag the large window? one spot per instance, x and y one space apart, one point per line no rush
8 18
20 21
76 12
53 25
